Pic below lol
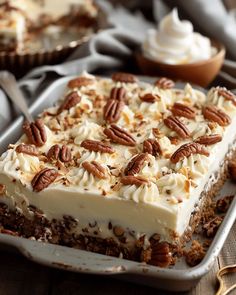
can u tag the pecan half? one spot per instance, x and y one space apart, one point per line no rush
35 132
43 179
211 227
124 77
70 101
214 114
228 95
209 139
59 153
135 165
161 255
149 97
119 135
79 82
151 146
95 169
133 180
164 83
112 110
186 150
118 93
176 125
27 149
97 146
182 110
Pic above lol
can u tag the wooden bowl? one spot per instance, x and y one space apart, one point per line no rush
201 73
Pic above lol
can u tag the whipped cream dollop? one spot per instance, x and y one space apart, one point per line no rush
175 42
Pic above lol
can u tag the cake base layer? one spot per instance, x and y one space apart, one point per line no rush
153 251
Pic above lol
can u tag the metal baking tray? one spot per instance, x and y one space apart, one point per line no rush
179 278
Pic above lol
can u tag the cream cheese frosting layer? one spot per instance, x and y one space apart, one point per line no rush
163 203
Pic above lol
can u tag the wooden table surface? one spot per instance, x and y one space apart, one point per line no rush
21 276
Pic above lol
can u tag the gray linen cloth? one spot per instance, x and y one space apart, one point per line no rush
112 48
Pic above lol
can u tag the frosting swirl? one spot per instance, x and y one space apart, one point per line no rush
86 130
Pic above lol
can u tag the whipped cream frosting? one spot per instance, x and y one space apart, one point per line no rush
175 42
165 202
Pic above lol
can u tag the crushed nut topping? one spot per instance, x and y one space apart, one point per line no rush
36 132
183 110
80 81
71 100
43 179
211 227
222 205
97 146
112 110
195 254
228 95
27 149
118 93
164 83
136 164
124 77
59 153
152 147
149 97
119 135
176 125
95 168
186 150
209 139
212 113
134 180
2 189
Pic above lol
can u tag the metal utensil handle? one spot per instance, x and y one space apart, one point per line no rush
9 84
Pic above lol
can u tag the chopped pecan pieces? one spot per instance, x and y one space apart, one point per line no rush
211 227
43 179
119 135
161 255
118 231
59 153
124 77
149 97
97 146
232 170
183 110
112 110
35 132
136 164
2 189
70 101
209 139
151 146
95 169
165 83
118 93
27 149
228 95
80 81
195 254
134 180
222 205
176 125
214 114
186 150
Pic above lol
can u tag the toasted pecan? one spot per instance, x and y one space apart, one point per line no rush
212 113
95 169
209 139
80 81
36 132
118 93
176 125
119 135
112 110
164 83
97 146
187 149
149 97
161 255
183 110
134 180
135 165
228 95
71 100
43 179
124 77
59 153
152 146
27 149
